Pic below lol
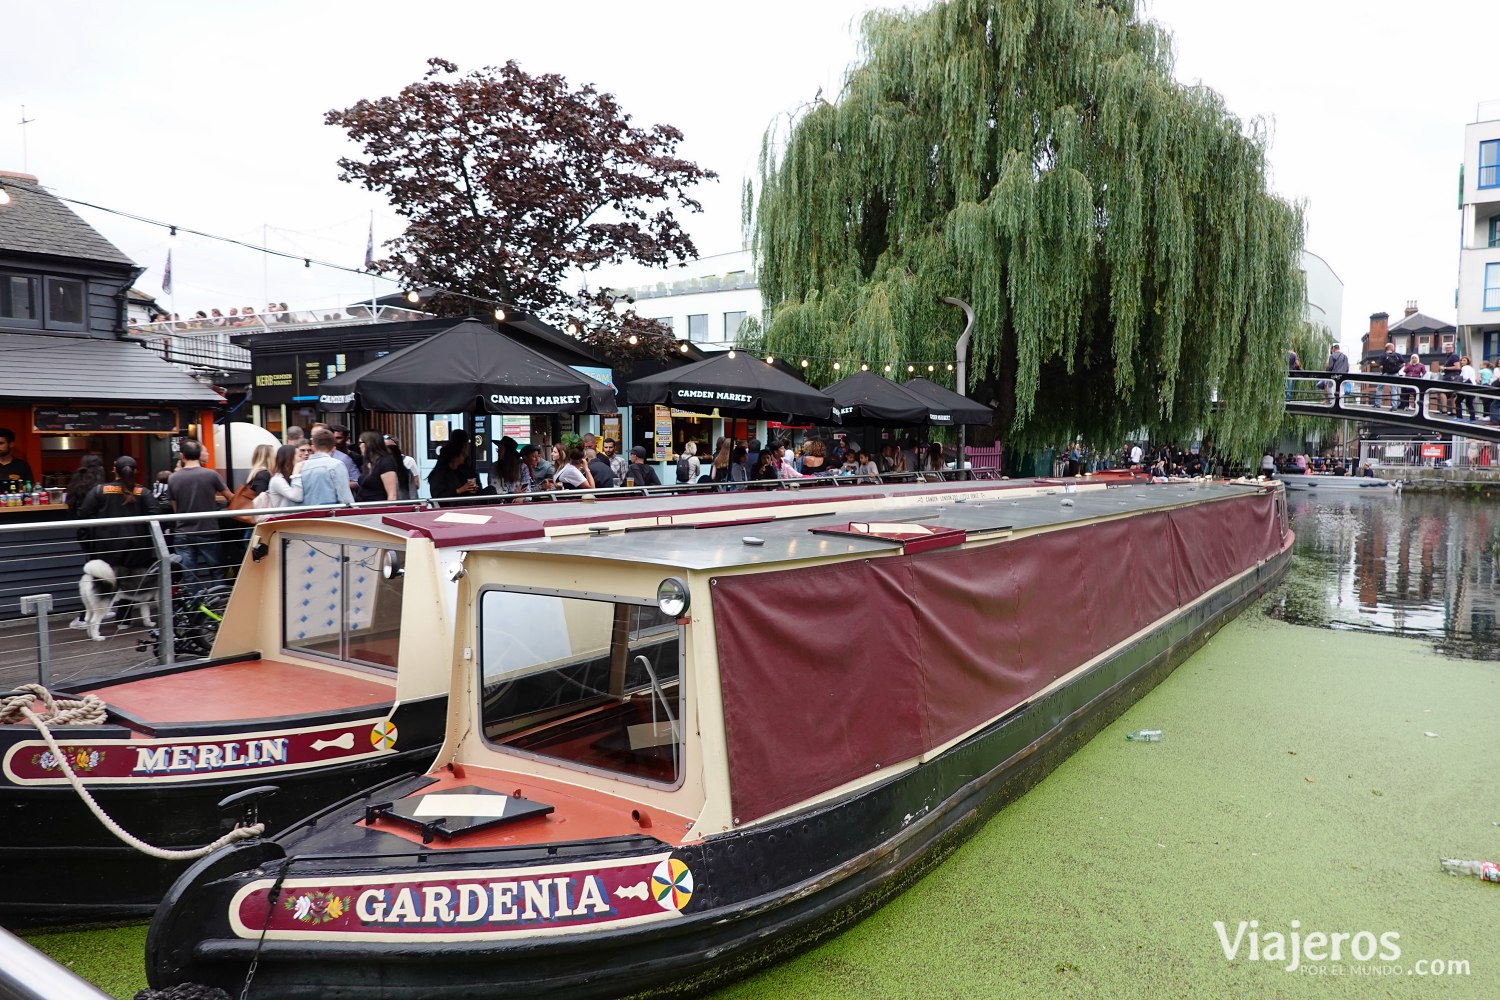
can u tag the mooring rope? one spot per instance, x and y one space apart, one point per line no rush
90 710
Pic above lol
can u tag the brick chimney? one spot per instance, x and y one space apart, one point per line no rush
1411 307
1380 331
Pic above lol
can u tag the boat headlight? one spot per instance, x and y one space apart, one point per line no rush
672 597
392 565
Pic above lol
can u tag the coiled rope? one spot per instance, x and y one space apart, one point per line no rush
91 711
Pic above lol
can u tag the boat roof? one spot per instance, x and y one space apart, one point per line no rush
767 528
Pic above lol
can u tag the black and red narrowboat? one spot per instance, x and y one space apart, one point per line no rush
324 679
687 737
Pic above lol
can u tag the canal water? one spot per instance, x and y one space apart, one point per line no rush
1321 753
1418 564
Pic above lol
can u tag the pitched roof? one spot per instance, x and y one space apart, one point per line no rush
42 368
35 221
1421 323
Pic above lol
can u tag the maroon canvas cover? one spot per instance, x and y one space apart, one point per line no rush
811 702
829 673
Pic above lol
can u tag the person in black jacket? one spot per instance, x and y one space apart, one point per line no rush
125 545
639 473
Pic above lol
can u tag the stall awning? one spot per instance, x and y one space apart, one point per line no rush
36 368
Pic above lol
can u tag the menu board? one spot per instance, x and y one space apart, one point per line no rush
104 419
662 440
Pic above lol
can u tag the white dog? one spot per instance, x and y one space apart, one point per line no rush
103 585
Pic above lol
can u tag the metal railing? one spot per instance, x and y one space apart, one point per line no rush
170 586
207 342
1449 407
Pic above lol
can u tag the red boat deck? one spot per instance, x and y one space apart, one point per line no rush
250 689
579 813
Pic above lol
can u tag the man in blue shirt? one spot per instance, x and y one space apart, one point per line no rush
324 479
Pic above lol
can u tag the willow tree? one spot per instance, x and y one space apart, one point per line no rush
1112 228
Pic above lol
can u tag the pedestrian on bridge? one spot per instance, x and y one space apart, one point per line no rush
1390 364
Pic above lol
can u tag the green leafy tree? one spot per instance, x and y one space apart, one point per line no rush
1111 227
511 183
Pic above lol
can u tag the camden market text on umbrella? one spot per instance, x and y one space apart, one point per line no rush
737 384
468 367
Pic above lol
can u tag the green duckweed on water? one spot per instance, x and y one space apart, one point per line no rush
1295 782
110 957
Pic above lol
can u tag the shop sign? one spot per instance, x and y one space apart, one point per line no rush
104 420
1432 451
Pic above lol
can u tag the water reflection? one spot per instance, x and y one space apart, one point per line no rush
1415 564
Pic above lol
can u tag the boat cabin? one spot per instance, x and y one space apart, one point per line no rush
689 668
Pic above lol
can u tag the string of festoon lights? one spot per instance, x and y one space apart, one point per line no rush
839 363
844 366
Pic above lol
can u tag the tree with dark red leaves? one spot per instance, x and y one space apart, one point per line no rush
513 183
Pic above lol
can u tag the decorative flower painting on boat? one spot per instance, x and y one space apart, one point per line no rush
317 907
672 884
80 759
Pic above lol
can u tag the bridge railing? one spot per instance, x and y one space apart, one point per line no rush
1393 397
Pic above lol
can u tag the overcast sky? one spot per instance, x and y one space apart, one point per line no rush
209 116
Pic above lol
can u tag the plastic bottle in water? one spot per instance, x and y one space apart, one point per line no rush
1144 736
1487 870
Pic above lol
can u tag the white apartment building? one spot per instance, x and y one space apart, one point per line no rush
1325 294
1479 254
707 306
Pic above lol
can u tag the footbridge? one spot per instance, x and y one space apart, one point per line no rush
1397 401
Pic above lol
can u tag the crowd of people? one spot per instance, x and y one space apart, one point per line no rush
274 314
599 463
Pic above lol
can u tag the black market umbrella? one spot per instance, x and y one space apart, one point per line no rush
948 408
469 367
737 384
869 398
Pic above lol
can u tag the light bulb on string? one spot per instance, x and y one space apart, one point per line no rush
864 367
634 340
804 362
835 366
683 347
887 368
731 352
950 367
911 368
770 360
572 329
413 297
499 315
932 367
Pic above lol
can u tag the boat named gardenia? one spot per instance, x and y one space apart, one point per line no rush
668 758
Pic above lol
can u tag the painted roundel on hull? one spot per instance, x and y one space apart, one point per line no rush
672 884
383 735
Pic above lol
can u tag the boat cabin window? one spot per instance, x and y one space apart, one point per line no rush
591 682
341 599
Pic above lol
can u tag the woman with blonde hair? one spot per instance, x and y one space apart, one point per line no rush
262 464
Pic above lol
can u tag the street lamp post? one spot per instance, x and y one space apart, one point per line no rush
962 349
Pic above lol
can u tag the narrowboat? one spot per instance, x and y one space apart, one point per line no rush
323 679
1364 485
688 737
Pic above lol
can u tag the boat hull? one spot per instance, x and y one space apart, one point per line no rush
58 863
761 893
1364 485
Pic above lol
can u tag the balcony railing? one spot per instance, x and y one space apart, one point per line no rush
206 342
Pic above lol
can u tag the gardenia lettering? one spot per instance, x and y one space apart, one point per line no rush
522 900
1315 946
501 400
